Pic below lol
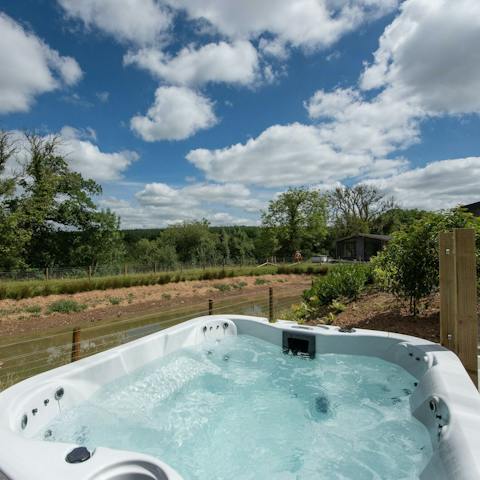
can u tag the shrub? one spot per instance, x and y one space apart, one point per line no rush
222 287
114 300
323 299
345 281
35 309
409 266
66 306
261 281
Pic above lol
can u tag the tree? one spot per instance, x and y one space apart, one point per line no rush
298 217
13 238
241 246
47 214
101 242
409 265
191 240
355 209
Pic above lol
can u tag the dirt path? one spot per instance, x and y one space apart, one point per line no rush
30 316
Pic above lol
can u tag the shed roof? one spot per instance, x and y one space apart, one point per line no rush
384 238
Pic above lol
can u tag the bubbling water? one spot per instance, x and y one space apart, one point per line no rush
241 409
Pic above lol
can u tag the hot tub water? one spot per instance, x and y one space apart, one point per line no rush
241 409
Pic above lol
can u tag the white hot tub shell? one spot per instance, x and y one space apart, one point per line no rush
445 400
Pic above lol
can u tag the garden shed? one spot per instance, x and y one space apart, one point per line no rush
360 247
473 208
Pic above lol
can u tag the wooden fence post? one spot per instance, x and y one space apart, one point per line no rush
270 304
46 273
125 269
89 272
210 307
466 303
75 344
448 287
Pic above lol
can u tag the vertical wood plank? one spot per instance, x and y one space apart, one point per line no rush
448 290
467 322
75 344
270 305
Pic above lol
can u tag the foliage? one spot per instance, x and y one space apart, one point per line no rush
356 209
323 299
47 215
222 287
66 306
409 266
298 219
33 288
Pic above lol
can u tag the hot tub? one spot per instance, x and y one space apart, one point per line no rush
232 396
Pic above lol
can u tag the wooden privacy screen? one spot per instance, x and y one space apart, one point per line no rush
458 297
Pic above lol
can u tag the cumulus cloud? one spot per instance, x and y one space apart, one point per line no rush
80 150
199 195
85 157
29 67
308 23
354 134
440 184
430 54
177 113
159 204
353 140
235 63
139 22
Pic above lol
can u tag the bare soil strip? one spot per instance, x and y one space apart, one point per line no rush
30 316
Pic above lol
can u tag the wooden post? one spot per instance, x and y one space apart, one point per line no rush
270 304
75 344
210 307
46 273
125 269
154 267
467 322
448 294
89 272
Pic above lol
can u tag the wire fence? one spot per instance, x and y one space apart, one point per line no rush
125 268
24 357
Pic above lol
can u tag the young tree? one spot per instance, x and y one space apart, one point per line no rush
409 266
355 209
299 219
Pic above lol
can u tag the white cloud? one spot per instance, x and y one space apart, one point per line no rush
199 195
273 47
159 204
235 63
430 54
85 157
353 140
423 69
306 23
103 96
440 184
78 146
139 22
177 113
29 67
281 155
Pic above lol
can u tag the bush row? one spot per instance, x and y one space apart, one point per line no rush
35 288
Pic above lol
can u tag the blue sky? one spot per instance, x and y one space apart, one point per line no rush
184 109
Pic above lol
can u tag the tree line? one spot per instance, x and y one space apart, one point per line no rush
48 218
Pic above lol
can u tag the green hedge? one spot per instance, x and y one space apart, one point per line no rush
34 288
